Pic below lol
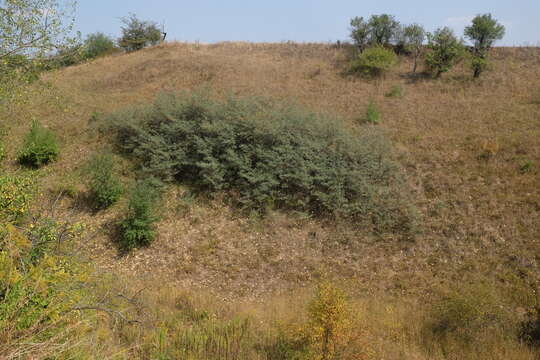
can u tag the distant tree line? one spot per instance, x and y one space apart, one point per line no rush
136 34
381 37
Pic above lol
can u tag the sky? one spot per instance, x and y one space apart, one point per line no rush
209 21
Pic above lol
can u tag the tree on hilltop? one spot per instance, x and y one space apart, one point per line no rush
483 32
138 34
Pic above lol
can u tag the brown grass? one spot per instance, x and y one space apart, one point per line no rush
462 144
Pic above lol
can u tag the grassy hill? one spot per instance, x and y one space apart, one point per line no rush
469 152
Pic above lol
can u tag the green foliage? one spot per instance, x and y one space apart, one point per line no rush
37 289
34 26
373 116
40 147
15 194
137 229
66 56
446 51
380 30
98 44
396 91
105 188
264 155
483 32
138 34
374 61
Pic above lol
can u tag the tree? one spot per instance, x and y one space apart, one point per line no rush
483 32
29 31
411 38
383 29
446 51
360 32
34 27
98 44
137 34
379 30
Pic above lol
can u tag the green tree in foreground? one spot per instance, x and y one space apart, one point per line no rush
483 32
29 30
446 51
138 34
34 26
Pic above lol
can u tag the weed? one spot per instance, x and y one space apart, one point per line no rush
373 116
40 147
137 228
105 188
395 92
526 167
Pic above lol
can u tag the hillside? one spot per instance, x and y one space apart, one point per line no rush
469 151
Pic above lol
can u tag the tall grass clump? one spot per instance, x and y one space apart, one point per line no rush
373 116
105 188
265 155
40 147
137 229
473 315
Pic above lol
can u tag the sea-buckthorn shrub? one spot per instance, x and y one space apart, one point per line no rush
265 155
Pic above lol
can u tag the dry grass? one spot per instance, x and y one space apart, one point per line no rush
464 146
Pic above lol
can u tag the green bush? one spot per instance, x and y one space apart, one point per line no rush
105 188
137 229
98 44
40 147
374 61
265 155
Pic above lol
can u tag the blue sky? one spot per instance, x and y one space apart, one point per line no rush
302 20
